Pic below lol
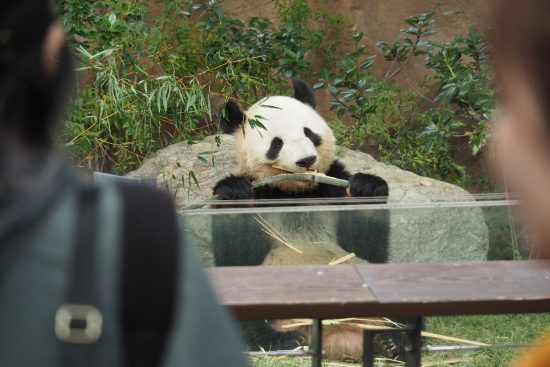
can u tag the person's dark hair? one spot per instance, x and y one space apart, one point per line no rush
30 98
522 39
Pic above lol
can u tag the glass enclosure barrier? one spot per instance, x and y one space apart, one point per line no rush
353 231
340 231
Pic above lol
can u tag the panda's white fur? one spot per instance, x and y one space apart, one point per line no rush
286 118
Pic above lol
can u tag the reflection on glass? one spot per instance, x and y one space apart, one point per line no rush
333 231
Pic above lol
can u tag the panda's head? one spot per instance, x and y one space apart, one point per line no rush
295 139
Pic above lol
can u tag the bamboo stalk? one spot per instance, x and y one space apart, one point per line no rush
308 322
297 177
202 203
301 177
283 241
342 259
452 339
446 362
279 353
270 230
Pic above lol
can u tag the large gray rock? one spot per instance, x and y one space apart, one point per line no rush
424 224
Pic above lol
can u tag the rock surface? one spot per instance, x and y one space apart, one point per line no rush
424 226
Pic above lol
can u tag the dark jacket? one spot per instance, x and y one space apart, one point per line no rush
37 235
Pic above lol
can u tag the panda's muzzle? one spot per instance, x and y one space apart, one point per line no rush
306 162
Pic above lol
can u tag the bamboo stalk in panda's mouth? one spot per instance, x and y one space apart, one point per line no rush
301 177
281 168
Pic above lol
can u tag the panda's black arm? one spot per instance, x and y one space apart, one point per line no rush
336 170
237 239
363 232
234 188
360 184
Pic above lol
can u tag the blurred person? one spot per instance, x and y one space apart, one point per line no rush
88 276
522 66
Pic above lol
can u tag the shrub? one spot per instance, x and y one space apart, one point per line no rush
150 83
396 122
147 83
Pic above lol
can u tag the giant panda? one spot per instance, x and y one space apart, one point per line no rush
293 138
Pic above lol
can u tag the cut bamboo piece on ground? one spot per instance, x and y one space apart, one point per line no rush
342 259
453 339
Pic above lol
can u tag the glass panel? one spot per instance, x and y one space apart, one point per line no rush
347 231
282 232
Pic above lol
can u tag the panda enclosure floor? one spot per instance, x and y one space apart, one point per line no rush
399 290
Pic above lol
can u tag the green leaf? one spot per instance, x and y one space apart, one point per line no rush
254 123
269 106
453 12
194 178
383 46
367 63
112 19
219 12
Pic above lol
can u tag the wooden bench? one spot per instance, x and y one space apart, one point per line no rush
409 291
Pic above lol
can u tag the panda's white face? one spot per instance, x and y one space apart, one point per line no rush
296 139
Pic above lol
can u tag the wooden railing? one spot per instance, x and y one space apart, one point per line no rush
410 291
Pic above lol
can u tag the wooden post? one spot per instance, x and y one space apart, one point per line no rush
368 348
316 343
413 350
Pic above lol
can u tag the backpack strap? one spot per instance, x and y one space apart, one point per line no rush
150 259
78 323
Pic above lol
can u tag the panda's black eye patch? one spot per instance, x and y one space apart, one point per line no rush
316 139
274 149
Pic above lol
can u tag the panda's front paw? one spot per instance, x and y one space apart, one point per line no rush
234 188
365 185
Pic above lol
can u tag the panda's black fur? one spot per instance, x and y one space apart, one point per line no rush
239 240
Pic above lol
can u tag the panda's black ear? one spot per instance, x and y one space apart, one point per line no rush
304 93
232 117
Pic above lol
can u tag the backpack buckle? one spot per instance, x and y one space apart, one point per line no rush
78 324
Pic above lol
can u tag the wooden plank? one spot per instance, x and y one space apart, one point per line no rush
290 291
310 291
460 288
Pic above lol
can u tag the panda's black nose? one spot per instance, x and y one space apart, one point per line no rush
306 162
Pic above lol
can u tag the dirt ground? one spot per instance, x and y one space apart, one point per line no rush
381 20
